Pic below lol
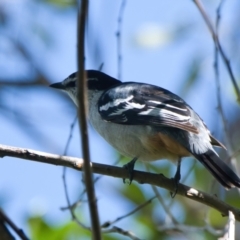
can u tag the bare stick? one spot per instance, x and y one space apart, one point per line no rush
219 100
64 168
161 200
119 42
82 102
186 229
139 176
109 223
17 230
218 45
123 232
216 69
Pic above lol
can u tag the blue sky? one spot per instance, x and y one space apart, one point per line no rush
160 41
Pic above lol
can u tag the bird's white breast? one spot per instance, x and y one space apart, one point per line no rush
129 140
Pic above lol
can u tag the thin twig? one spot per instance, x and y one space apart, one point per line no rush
115 229
216 70
82 110
17 230
119 40
64 168
218 86
109 223
160 199
78 202
186 229
234 155
167 209
218 45
159 180
70 135
217 80
101 67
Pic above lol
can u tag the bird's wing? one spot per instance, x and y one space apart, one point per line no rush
144 104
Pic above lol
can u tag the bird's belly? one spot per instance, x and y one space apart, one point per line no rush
136 141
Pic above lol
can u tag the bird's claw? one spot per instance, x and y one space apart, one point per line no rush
130 167
176 179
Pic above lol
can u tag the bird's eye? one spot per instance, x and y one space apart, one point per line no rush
71 84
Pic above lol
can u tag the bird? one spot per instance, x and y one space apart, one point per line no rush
148 123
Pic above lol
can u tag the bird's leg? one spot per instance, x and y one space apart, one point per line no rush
177 178
130 167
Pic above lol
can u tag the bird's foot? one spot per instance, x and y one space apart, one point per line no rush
176 179
130 167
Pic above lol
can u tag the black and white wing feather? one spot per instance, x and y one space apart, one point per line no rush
144 104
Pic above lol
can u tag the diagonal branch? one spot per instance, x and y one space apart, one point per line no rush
218 46
141 177
109 223
17 230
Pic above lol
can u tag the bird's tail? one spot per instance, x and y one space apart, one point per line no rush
219 169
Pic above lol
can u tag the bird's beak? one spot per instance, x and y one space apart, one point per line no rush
58 85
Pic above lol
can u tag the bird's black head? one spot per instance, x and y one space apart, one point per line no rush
100 81
96 80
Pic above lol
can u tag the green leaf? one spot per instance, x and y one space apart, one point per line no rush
61 3
41 230
216 219
134 193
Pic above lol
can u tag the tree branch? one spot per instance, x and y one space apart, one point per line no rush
119 40
17 230
219 46
82 110
141 177
109 223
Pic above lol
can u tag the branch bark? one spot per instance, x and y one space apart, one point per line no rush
82 110
5 219
141 177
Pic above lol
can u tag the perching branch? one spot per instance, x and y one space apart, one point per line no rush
82 110
219 46
141 177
